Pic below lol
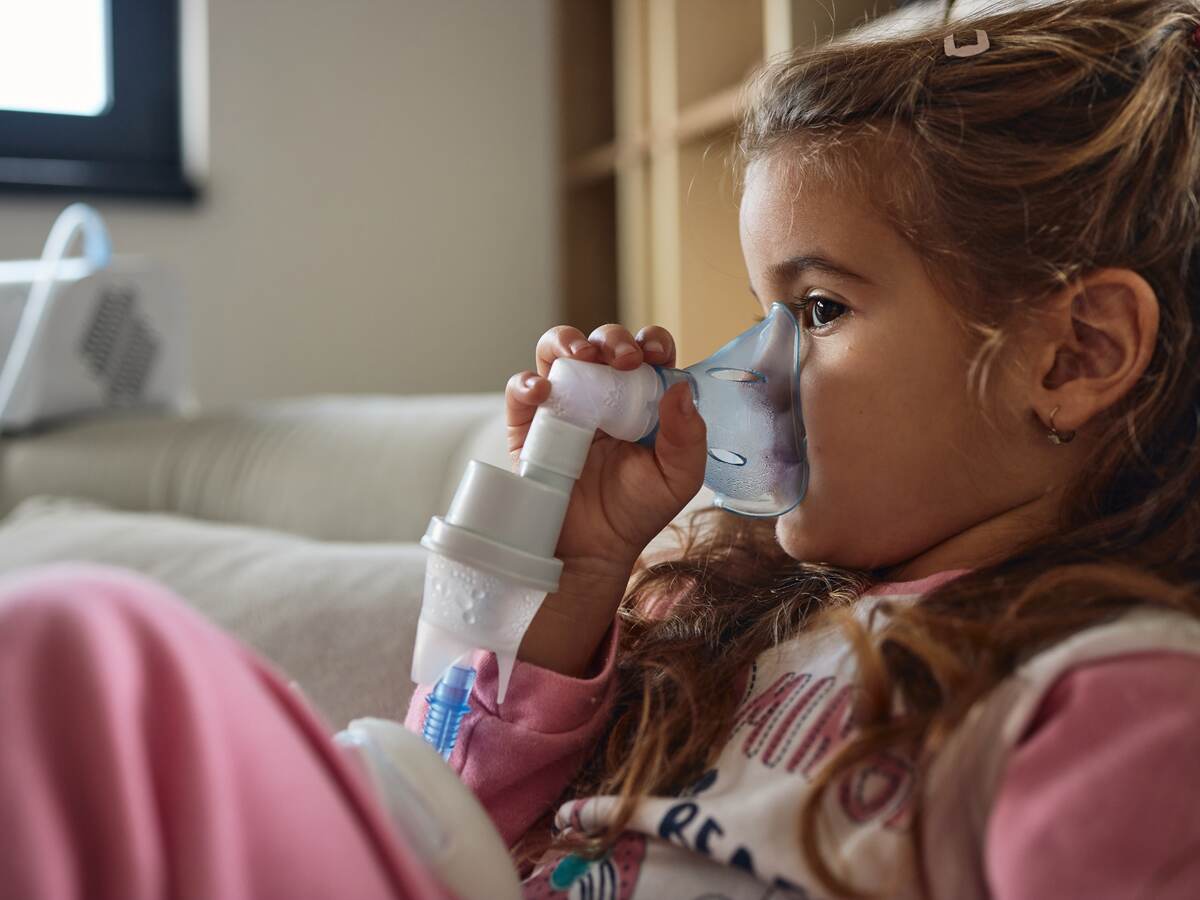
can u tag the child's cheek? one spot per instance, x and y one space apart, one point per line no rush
846 409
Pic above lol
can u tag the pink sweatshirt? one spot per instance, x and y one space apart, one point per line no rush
1098 798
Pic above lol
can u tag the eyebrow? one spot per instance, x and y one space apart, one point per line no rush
795 266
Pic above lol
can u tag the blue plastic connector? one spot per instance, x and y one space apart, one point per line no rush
446 707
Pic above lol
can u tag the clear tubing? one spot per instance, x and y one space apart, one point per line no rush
447 706
76 218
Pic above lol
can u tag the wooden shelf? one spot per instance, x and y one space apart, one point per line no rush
651 99
585 75
712 115
715 43
592 166
589 246
709 116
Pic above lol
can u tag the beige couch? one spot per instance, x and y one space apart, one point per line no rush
291 523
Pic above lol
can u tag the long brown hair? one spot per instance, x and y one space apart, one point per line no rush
1072 144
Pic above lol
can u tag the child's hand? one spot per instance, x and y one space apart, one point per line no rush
626 493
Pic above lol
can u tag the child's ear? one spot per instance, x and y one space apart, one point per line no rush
1101 334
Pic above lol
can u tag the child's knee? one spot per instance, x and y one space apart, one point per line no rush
69 609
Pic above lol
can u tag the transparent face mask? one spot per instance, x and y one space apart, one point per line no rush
748 394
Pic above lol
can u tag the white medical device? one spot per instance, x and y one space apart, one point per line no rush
85 334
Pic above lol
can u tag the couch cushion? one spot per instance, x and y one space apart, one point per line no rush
339 618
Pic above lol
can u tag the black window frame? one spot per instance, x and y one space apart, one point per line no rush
135 147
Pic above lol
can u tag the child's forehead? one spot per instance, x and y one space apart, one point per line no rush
789 210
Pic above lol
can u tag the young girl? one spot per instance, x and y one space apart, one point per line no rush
968 662
966 665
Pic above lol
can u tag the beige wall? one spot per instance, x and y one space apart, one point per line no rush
380 214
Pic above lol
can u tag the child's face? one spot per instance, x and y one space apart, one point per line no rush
902 464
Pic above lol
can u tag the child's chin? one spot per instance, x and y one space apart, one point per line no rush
792 537
804 543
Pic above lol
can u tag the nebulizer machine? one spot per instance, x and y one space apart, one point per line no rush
491 557
89 334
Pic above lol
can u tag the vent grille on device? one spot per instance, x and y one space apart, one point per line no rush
120 346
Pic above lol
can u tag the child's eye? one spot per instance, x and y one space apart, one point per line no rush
824 310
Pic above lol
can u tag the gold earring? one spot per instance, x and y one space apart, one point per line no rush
1055 436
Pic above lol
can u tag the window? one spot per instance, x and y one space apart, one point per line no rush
90 98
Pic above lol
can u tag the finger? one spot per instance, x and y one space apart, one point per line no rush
658 347
617 345
523 394
560 341
680 448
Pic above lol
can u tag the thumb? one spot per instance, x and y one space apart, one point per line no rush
680 447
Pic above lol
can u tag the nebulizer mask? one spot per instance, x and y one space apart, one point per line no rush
491 557
748 394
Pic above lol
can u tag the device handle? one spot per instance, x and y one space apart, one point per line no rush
97 250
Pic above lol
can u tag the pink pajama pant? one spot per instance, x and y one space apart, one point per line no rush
146 754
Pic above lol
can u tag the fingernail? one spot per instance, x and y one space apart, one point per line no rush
579 346
686 406
653 347
623 349
530 380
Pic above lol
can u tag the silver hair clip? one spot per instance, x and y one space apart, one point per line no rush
981 44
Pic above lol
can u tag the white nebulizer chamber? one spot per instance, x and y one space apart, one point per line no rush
491 561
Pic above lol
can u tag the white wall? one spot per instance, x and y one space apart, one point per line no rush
381 207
